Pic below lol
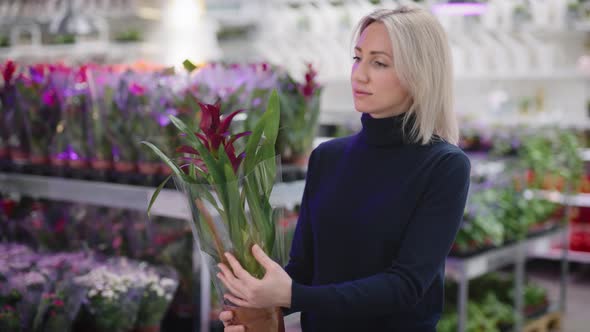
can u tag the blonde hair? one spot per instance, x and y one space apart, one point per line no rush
423 63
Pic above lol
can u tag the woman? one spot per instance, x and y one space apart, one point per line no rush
380 209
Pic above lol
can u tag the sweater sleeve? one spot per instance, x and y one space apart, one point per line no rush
300 265
427 241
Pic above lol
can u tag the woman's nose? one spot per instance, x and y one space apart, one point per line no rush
359 73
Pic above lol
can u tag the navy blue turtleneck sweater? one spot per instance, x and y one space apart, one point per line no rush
377 220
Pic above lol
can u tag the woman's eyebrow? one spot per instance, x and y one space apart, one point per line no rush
373 52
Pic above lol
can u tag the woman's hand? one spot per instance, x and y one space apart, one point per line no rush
226 318
273 290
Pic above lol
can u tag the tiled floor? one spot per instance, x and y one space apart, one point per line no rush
577 318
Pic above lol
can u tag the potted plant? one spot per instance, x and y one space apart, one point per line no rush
14 117
156 297
102 84
112 300
300 108
38 101
9 317
219 181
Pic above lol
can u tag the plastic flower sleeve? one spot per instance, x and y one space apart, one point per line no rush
101 86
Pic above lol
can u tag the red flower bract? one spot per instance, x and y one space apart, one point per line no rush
215 133
8 70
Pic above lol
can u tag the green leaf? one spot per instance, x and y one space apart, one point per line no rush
269 126
165 158
188 65
157 192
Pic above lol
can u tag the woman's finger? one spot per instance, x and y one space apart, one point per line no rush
263 258
236 290
238 269
226 317
237 301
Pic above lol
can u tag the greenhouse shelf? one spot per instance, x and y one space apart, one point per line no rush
464 269
578 200
555 253
170 203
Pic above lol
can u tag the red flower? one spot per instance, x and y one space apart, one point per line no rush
310 85
215 132
60 226
214 128
58 303
8 70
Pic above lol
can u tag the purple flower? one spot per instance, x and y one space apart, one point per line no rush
49 98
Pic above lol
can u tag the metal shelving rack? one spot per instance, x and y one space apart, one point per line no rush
463 270
170 203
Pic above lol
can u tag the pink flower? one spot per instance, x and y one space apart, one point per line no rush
49 98
137 89
117 242
58 303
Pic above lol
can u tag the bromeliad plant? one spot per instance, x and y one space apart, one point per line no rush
300 105
236 185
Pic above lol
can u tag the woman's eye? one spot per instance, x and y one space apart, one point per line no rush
380 64
356 58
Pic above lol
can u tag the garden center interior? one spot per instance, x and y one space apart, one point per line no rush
96 94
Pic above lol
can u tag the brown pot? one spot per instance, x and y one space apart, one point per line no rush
148 168
147 329
124 166
78 164
3 152
38 160
19 156
57 162
165 169
101 165
258 320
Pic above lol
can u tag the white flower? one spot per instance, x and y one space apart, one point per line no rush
167 282
108 294
160 292
168 297
92 293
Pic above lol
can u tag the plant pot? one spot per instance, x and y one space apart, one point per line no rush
149 168
39 165
79 168
124 166
19 156
4 153
101 169
259 320
101 164
165 170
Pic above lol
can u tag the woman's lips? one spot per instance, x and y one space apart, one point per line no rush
361 93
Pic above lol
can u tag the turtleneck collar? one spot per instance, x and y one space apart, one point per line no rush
386 131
